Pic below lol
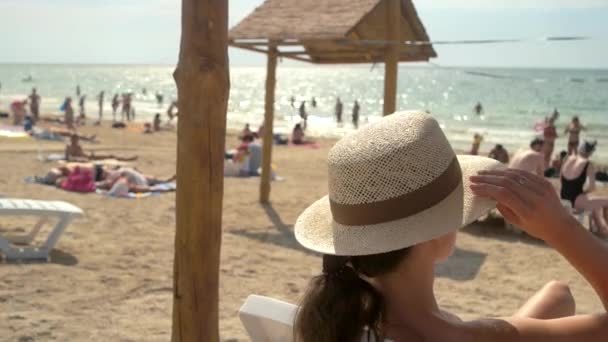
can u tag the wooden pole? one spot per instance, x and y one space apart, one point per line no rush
391 58
203 83
268 124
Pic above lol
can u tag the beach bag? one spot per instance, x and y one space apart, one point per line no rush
79 180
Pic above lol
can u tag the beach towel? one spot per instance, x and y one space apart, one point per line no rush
311 144
155 191
7 131
79 180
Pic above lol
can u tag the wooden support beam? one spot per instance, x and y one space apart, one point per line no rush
249 47
271 68
257 42
391 61
202 77
297 58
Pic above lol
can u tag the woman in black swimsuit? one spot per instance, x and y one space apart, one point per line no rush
575 172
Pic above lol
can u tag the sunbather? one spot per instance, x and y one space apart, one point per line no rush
530 160
55 133
576 169
75 152
125 179
57 174
392 214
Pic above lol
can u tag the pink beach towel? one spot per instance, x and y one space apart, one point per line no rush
79 180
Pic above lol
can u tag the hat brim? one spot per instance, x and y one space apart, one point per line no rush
315 229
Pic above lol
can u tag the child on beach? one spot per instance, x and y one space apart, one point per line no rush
477 139
378 263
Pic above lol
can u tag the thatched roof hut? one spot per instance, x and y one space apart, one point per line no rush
332 32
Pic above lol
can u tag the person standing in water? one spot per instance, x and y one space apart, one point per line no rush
78 90
292 101
35 105
159 98
303 114
100 104
549 136
81 103
313 102
339 109
172 107
573 130
356 109
478 109
115 103
126 106
68 113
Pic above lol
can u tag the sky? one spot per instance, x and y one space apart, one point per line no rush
148 31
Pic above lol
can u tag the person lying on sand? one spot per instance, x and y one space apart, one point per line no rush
126 179
58 174
55 133
576 169
531 160
75 152
379 264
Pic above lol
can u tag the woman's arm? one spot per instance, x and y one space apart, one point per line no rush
530 202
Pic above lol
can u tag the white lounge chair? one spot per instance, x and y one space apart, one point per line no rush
267 319
271 320
14 247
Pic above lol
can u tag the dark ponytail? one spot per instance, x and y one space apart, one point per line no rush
339 304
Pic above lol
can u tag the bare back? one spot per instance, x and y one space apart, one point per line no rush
528 160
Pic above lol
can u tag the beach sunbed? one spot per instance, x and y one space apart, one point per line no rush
18 247
267 319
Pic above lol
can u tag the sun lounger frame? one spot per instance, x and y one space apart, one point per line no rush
19 247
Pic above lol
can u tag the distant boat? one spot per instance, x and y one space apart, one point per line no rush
29 78
577 80
602 79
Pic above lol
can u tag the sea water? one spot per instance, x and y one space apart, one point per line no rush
513 99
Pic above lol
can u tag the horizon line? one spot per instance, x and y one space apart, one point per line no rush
414 65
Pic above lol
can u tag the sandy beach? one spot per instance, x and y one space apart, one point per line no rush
110 278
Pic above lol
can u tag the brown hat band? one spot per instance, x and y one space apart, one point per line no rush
399 207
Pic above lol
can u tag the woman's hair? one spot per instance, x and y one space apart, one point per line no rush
339 304
587 147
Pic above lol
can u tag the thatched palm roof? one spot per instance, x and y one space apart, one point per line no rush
331 31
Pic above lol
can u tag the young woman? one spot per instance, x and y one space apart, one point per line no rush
397 196
574 129
576 170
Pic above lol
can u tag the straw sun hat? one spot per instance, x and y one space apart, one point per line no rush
392 184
